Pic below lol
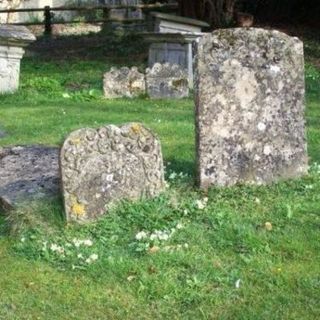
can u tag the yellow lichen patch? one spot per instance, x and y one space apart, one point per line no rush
78 209
75 141
136 128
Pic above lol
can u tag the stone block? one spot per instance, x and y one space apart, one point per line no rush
102 166
249 94
124 82
12 41
167 81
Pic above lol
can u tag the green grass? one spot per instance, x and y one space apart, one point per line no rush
193 274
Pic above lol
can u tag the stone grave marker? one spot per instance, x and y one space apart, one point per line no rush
171 37
13 39
101 166
167 81
123 82
249 94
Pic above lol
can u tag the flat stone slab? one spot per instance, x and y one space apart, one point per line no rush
28 173
249 94
179 19
108 164
19 36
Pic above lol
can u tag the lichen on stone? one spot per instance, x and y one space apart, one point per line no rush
78 209
136 128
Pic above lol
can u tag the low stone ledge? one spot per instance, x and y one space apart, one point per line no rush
28 173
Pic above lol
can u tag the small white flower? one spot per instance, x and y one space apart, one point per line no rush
237 284
153 237
94 257
76 242
141 235
163 237
201 204
179 226
185 212
310 186
257 200
186 245
23 239
55 248
80 256
172 176
87 242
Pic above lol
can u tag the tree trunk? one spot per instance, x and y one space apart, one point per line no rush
188 8
217 13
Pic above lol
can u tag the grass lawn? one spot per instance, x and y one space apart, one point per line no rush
246 253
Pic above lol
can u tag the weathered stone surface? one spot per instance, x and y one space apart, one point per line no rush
123 82
101 166
167 81
249 97
12 41
28 173
16 36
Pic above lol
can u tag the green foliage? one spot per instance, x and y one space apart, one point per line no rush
312 79
42 85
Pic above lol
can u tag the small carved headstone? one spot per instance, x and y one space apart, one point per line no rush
167 81
123 82
101 166
249 94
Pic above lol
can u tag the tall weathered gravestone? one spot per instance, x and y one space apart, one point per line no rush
249 94
101 166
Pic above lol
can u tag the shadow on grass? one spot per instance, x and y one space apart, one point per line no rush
38 215
188 167
129 48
